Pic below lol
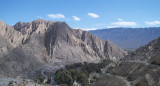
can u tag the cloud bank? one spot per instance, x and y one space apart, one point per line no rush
56 16
124 23
152 22
86 29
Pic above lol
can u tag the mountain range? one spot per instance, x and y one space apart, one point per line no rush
128 38
29 49
25 47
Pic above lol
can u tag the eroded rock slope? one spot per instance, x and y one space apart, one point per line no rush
25 47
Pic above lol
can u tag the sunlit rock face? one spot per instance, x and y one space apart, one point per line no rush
28 46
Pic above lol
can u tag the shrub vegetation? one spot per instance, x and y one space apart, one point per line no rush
79 72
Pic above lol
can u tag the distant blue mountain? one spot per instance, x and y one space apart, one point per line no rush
128 38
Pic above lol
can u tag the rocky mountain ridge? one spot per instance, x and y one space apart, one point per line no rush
28 46
142 65
149 53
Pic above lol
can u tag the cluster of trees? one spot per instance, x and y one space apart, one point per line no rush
78 72
67 77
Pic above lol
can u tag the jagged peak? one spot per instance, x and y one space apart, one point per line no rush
35 24
39 20
44 21
36 21
20 23
61 23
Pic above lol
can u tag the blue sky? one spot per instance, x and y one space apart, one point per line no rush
86 14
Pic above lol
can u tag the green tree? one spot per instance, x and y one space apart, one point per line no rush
83 79
64 77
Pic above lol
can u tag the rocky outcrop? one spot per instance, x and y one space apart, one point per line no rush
141 67
139 74
28 46
9 39
149 53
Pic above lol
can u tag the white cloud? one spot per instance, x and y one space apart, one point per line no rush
76 18
119 19
86 29
152 22
112 27
93 15
124 23
56 16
